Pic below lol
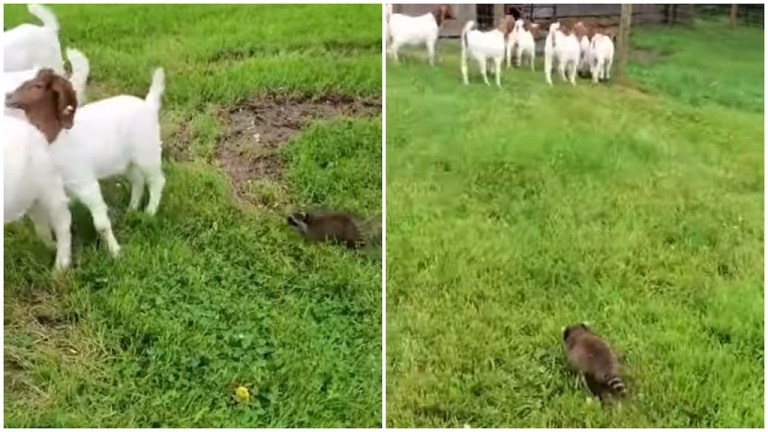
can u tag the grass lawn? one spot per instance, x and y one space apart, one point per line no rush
514 212
214 292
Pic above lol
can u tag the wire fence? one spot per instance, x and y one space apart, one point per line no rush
606 17
751 15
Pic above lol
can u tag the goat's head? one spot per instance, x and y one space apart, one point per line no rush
519 26
580 30
48 101
534 28
527 25
442 13
507 24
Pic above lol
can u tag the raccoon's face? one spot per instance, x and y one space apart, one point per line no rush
574 328
298 221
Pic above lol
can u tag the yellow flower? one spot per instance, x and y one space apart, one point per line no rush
242 395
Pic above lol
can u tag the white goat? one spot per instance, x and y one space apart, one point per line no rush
119 135
562 49
78 79
28 46
404 30
483 46
32 185
602 57
522 41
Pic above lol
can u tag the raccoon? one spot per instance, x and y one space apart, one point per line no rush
331 227
592 357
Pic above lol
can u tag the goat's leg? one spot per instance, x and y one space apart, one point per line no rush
604 70
137 186
573 66
156 181
519 56
431 52
62 222
395 47
561 70
39 216
151 166
484 69
532 58
548 68
464 69
54 209
497 63
608 64
90 195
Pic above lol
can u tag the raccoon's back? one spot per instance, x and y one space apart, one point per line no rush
592 355
338 227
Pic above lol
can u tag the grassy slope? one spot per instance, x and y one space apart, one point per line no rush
207 296
512 213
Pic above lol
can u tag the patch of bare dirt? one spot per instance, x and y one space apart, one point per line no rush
258 129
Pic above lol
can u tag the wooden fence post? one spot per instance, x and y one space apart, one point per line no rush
623 40
734 11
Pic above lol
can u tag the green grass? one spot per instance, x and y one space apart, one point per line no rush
514 212
209 294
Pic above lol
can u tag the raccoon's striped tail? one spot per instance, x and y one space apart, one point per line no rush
616 385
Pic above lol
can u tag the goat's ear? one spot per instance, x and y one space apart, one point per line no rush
447 12
45 73
66 101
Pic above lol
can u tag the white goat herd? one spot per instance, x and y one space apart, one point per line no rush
56 147
568 50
